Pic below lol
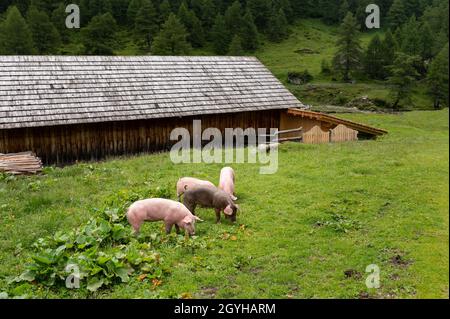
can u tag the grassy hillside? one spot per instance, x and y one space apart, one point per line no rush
308 231
310 42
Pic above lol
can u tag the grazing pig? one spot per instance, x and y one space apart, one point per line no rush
211 197
226 182
155 209
188 182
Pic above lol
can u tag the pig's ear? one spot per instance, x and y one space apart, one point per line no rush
200 220
187 220
228 210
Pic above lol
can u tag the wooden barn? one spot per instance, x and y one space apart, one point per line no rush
66 109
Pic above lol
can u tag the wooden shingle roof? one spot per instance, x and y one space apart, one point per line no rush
57 90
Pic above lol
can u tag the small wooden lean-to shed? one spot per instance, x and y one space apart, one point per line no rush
318 128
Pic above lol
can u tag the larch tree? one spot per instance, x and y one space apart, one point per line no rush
236 46
397 14
374 59
249 32
347 59
15 35
172 39
165 9
193 25
278 28
403 78
99 36
426 41
132 11
220 36
389 47
146 24
44 34
58 19
261 11
233 18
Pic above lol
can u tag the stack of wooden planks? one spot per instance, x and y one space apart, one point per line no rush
20 163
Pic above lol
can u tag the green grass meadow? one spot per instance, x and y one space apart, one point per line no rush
308 231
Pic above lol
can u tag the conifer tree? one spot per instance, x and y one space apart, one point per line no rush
146 24
193 25
413 7
99 36
236 46
98 7
426 41
389 47
119 10
249 32
58 19
208 16
233 18
347 59
397 14
44 34
410 37
164 11
220 35
278 26
261 11
132 11
329 10
343 10
172 39
287 8
403 78
374 59
15 35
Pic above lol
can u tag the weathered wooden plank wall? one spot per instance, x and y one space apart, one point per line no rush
342 133
65 144
316 136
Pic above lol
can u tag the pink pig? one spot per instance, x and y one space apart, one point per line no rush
226 182
185 183
155 209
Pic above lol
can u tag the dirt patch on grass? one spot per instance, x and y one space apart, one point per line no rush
208 292
255 270
352 273
400 261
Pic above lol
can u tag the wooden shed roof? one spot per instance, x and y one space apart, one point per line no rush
336 121
56 90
